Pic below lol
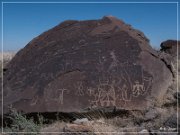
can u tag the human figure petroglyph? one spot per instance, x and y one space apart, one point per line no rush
124 93
66 66
82 42
93 93
141 89
124 96
90 91
56 96
120 91
95 101
138 89
149 81
107 97
124 86
104 95
61 95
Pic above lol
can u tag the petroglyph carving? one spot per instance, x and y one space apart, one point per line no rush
100 65
119 92
95 101
141 89
138 89
57 95
67 66
61 95
82 41
124 92
114 60
148 81
34 101
90 91
104 95
107 97
80 91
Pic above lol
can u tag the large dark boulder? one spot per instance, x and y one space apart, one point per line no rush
170 47
86 64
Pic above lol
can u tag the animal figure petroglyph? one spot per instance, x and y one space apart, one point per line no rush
34 101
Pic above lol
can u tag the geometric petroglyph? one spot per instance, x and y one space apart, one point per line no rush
80 89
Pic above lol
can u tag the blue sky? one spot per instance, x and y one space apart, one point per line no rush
23 22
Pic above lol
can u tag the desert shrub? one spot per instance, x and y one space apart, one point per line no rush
21 124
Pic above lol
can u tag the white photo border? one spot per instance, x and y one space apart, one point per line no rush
2 4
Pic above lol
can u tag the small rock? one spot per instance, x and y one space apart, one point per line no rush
151 114
144 131
77 128
170 47
172 121
81 121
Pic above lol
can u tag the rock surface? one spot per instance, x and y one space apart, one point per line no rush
86 64
170 47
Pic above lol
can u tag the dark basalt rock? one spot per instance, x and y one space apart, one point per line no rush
170 47
86 64
168 54
172 121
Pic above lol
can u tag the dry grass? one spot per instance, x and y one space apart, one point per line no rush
100 127
6 57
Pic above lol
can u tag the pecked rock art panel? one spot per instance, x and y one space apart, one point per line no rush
123 91
127 89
